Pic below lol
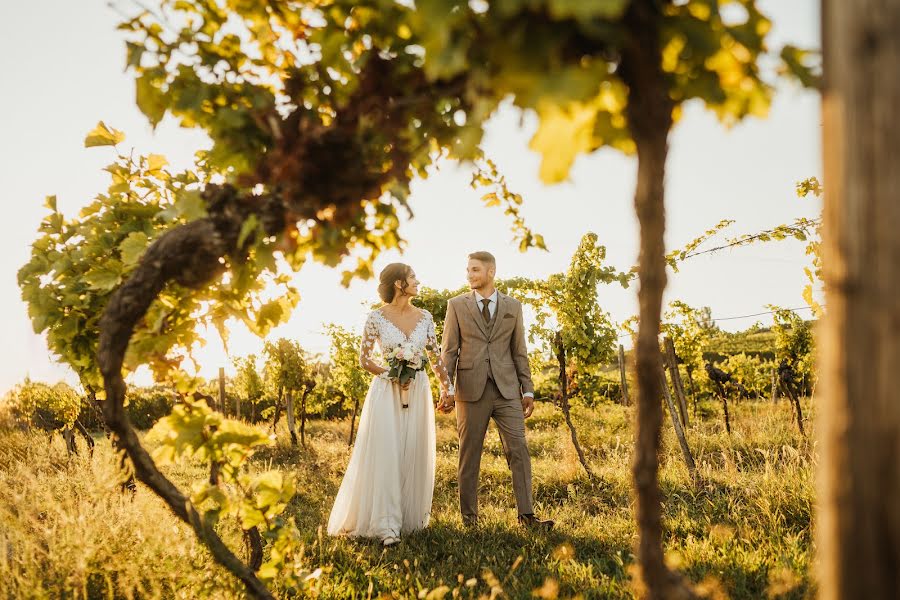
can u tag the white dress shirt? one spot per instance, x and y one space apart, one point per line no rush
492 308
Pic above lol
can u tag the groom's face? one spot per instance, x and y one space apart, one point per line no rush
479 274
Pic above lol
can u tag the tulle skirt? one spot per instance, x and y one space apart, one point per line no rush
388 486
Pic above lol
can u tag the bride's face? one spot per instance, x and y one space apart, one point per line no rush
412 284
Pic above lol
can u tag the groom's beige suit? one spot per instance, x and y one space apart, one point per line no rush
487 357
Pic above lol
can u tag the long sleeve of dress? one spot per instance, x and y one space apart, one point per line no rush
434 356
367 356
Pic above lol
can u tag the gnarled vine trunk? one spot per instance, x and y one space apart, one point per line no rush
289 410
564 402
190 256
353 422
859 348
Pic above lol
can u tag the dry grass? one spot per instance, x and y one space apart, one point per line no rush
745 530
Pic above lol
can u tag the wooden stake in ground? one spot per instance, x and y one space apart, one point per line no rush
679 430
626 401
221 406
672 360
859 351
774 385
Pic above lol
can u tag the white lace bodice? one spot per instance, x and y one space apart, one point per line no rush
380 334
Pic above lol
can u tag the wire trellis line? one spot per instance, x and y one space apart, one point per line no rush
759 314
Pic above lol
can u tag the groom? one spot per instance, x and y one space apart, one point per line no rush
483 348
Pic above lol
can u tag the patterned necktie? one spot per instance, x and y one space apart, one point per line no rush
485 309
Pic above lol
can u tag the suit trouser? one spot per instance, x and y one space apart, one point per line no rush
472 420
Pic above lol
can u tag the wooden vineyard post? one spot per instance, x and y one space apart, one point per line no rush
679 430
221 405
774 384
291 423
858 415
624 382
672 361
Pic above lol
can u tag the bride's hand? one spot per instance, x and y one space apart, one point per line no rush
447 402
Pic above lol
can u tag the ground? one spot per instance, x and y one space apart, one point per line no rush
742 531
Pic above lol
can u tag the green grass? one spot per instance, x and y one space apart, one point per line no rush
743 532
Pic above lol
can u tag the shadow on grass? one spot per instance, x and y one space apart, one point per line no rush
446 553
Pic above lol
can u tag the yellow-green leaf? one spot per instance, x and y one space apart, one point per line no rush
101 135
155 162
562 135
133 247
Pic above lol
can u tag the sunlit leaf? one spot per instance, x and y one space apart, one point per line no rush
101 135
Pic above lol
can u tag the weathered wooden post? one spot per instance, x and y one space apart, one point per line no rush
221 405
679 430
624 382
672 360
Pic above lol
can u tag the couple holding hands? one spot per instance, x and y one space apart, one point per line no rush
482 367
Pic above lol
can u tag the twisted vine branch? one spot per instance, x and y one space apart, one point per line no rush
189 255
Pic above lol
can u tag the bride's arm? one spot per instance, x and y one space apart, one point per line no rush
367 349
434 357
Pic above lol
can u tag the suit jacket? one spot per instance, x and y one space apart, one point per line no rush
470 347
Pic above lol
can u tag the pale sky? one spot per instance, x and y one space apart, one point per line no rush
62 68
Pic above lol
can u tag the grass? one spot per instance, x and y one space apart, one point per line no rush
743 532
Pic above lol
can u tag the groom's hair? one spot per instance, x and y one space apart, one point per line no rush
485 257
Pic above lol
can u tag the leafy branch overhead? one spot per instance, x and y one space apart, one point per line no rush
561 59
77 263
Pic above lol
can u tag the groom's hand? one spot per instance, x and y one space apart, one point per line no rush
447 402
527 405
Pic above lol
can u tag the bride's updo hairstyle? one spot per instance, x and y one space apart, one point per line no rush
389 275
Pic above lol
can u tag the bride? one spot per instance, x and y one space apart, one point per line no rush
389 482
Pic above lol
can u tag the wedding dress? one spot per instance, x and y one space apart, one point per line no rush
389 481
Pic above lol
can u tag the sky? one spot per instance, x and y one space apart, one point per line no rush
59 83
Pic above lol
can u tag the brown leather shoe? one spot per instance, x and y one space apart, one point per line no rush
532 522
470 521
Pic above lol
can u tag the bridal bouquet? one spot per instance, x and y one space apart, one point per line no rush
404 361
